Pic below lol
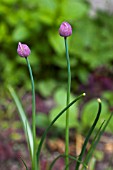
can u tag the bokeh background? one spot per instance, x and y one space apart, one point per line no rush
36 23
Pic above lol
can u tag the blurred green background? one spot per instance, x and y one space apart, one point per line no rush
36 24
90 46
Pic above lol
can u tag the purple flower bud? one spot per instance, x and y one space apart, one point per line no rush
65 29
23 50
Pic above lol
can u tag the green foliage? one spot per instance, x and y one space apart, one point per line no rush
20 33
53 122
37 24
99 155
88 114
60 100
24 120
31 22
46 88
42 120
108 96
92 163
93 44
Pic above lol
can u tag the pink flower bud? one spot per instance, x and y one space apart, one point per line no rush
23 50
65 29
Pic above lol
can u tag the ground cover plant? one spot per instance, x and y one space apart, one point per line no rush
81 161
44 25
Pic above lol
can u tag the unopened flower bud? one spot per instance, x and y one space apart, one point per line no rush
65 29
23 50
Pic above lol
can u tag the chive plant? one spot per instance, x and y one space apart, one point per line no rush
23 50
65 30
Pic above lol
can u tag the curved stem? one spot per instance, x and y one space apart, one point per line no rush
88 135
63 155
68 99
93 145
54 120
33 115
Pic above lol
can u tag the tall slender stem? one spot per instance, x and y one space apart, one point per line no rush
67 102
33 115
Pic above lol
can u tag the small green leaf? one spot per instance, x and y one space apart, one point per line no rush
91 129
88 113
56 41
46 11
60 99
46 88
20 33
42 120
99 155
72 9
108 95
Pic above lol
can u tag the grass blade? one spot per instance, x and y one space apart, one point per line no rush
24 163
96 139
23 117
93 145
88 135
54 161
63 155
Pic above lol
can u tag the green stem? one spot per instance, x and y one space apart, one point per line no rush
93 145
63 155
68 99
98 138
54 120
88 136
33 115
